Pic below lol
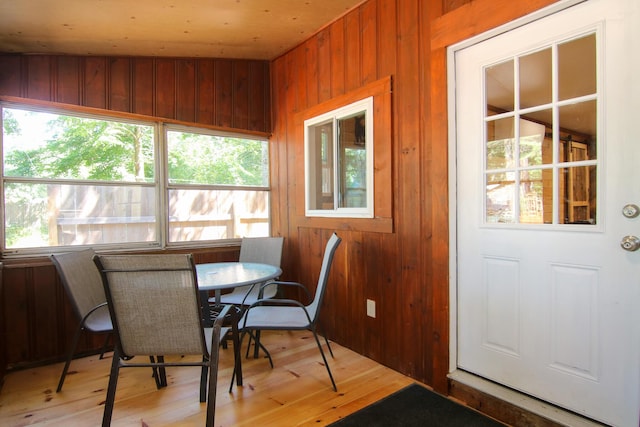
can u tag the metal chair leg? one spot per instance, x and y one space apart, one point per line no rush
104 346
72 350
111 390
326 363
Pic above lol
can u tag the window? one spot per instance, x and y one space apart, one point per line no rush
541 136
218 186
71 179
339 162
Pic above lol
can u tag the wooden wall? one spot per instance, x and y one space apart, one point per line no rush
405 271
216 92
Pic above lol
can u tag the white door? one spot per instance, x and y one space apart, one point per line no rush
547 155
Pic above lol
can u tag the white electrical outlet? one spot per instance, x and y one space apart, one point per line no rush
371 308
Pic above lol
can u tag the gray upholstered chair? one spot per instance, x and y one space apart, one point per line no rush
83 285
155 309
289 314
263 250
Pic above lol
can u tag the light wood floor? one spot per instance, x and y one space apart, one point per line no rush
296 392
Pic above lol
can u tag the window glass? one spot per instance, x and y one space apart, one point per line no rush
339 162
353 162
320 166
56 146
196 158
218 186
71 179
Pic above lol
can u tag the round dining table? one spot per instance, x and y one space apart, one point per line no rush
218 276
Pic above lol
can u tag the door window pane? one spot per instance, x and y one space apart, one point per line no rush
578 123
499 88
500 197
531 197
535 79
549 151
577 68
501 147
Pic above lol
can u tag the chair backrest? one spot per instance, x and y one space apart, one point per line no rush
81 280
265 250
154 303
327 260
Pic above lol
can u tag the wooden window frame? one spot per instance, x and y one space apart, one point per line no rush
382 220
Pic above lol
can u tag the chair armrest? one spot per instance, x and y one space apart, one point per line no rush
86 316
291 284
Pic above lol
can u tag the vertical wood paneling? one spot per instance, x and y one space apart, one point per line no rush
278 168
387 38
185 90
338 59
204 92
299 72
119 88
374 276
368 18
387 342
352 291
223 93
353 50
165 79
10 75
311 73
324 65
95 78
45 308
68 82
241 95
407 88
39 80
143 90
436 254
16 315
258 86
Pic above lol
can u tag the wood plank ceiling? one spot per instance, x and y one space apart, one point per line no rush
243 29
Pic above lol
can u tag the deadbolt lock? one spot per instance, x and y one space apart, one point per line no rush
630 211
630 243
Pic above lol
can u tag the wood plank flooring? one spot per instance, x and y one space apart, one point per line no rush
296 392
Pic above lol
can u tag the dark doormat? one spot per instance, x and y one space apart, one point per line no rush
416 406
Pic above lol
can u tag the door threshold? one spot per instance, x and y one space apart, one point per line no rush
525 402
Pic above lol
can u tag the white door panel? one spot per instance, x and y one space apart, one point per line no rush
549 306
